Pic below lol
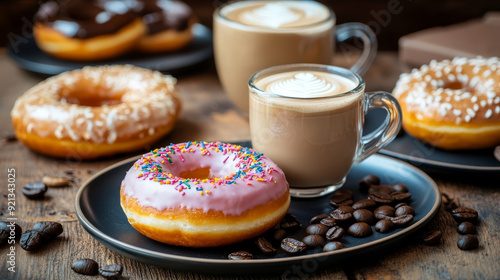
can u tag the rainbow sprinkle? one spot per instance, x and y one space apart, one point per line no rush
250 166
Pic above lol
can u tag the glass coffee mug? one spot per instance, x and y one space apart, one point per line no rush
308 118
253 35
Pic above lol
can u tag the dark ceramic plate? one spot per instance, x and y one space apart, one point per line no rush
98 209
29 57
428 157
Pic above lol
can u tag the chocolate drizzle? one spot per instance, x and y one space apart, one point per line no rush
89 18
85 19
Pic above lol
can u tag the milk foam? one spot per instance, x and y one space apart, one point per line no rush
305 84
284 14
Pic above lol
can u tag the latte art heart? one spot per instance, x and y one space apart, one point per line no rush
305 85
271 15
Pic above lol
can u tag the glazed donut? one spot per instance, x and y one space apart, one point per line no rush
169 25
87 30
201 194
453 104
96 111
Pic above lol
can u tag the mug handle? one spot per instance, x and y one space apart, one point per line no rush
366 34
387 131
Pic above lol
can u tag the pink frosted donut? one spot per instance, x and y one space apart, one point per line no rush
201 194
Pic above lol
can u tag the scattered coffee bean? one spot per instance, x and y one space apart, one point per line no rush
111 271
367 181
55 182
466 228
468 242
35 190
432 238
387 189
50 229
340 199
384 226
32 240
364 215
240 255
364 204
317 219
384 211
404 210
265 246
313 241
341 215
464 214
329 222
345 192
402 221
85 266
7 229
399 205
449 203
401 196
496 153
279 234
333 246
293 246
360 229
319 229
400 187
290 223
335 233
381 198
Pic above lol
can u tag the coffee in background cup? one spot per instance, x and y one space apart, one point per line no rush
253 35
308 118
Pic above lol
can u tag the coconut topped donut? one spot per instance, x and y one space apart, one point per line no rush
204 194
453 104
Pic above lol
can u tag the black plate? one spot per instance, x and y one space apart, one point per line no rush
29 57
428 157
98 209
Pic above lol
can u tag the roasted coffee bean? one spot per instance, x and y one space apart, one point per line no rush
381 198
111 271
338 200
432 237
400 187
9 229
464 214
399 205
402 220
335 233
265 246
329 222
35 190
384 211
364 215
404 210
290 222
466 228
293 246
332 246
240 255
468 242
450 203
496 152
85 266
55 182
367 181
313 241
50 229
384 226
345 192
319 229
386 189
279 234
32 240
364 204
340 215
317 219
401 196
360 229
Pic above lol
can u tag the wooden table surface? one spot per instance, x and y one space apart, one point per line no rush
209 115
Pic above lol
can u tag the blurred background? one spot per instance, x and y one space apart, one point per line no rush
390 19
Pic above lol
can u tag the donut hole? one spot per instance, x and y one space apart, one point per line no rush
93 96
198 173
